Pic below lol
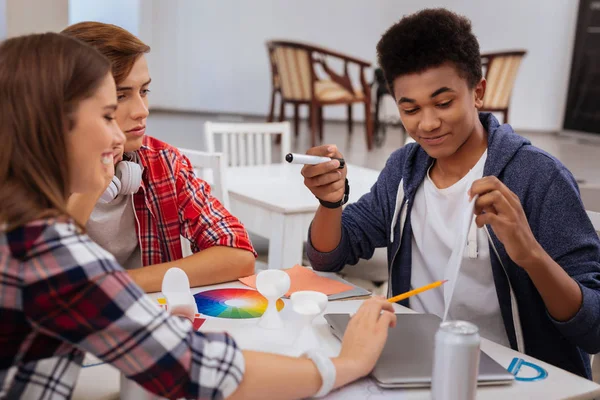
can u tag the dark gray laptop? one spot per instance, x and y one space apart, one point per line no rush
407 358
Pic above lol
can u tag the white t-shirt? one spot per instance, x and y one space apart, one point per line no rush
435 218
112 226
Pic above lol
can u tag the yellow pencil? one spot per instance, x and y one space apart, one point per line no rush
406 295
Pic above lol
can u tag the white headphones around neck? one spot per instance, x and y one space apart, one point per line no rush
127 180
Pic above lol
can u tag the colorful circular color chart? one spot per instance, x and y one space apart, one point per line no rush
233 303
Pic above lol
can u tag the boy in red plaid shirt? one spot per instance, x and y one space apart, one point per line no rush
142 225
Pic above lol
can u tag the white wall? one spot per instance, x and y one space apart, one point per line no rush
2 19
210 56
124 13
33 16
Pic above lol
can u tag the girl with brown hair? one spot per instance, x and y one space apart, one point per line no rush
62 295
141 223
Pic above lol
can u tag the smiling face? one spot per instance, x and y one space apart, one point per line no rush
132 94
438 109
94 135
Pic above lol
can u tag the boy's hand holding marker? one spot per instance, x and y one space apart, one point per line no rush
325 174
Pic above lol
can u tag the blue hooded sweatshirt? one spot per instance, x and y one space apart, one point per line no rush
550 198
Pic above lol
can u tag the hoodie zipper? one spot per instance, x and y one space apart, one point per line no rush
403 211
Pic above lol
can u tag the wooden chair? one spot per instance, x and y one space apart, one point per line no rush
294 77
211 168
500 71
248 143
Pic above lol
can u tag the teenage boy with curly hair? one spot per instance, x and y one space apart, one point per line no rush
530 275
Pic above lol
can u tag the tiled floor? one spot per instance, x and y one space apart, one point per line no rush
581 156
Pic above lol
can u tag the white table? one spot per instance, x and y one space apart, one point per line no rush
272 201
102 382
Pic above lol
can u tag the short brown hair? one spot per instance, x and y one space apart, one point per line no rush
43 78
120 46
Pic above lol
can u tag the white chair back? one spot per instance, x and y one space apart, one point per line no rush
595 218
211 168
248 143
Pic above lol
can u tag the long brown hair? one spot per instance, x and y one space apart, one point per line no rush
120 46
42 80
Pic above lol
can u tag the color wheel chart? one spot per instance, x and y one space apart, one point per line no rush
233 303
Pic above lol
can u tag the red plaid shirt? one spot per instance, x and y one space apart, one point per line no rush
172 201
62 295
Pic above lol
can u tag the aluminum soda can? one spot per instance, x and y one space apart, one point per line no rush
455 361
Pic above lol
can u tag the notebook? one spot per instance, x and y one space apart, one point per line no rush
304 278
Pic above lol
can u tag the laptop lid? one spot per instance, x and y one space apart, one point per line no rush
407 357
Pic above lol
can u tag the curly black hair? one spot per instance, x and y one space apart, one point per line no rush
428 39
